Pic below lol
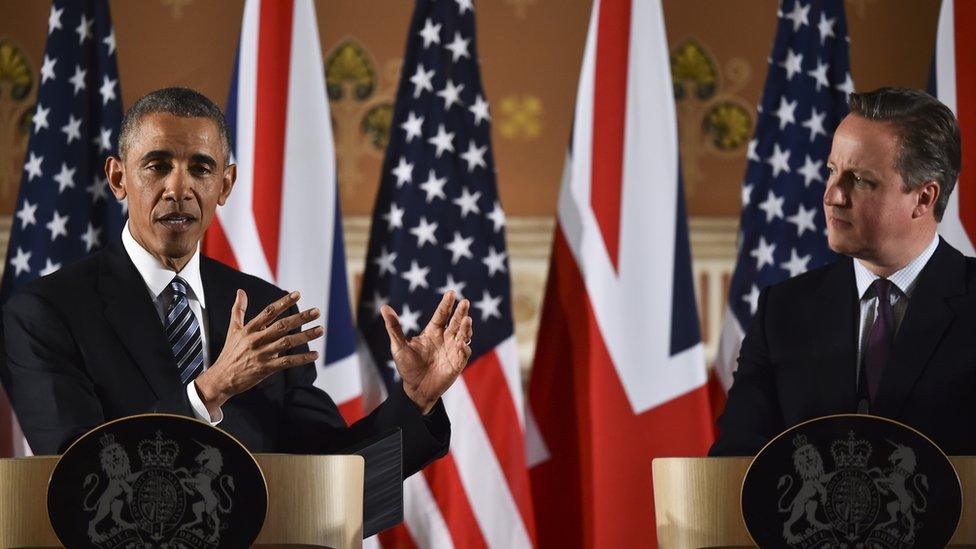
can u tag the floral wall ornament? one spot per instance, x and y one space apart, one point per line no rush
16 107
176 7
728 125
693 67
521 7
361 99
376 125
520 117
350 64
713 120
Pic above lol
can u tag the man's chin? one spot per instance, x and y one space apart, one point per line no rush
179 248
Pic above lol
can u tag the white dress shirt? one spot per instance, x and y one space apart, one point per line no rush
903 284
157 278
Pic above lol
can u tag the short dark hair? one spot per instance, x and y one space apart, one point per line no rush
930 144
182 102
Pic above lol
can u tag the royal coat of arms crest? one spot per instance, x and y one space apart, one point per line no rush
869 493
129 504
179 492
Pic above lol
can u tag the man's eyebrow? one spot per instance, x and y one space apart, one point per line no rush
870 174
203 159
157 155
855 168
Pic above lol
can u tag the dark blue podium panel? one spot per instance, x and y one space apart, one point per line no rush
855 481
157 480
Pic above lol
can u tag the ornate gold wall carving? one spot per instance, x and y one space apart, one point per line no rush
520 117
713 118
16 106
176 7
361 98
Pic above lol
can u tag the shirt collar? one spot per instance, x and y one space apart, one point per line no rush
904 279
156 276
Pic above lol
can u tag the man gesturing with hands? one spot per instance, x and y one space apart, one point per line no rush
149 324
428 363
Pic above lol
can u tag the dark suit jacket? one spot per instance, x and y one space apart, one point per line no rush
799 358
85 345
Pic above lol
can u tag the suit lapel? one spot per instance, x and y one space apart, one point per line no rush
838 330
220 296
926 319
133 316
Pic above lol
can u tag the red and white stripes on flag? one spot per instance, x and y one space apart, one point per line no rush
955 85
619 375
438 225
478 495
281 222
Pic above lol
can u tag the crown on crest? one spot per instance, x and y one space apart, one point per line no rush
799 441
108 439
852 452
159 452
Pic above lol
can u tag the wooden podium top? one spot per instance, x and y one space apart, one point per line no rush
696 502
313 501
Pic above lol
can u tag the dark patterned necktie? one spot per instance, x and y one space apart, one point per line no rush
880 338
183 333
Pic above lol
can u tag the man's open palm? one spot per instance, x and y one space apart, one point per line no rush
430 362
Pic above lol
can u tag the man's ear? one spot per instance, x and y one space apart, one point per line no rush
114 170
227 183
927 196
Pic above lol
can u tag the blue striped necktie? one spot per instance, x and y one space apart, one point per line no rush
183 333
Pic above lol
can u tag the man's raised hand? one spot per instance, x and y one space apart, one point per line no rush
255 350
430 362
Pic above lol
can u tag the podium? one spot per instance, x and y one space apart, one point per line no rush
696 502
313 501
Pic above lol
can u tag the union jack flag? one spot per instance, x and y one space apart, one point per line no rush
953 81
619 376
438 225
783 232
64 208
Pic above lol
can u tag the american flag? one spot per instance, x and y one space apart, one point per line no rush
65 209
438 225
783 233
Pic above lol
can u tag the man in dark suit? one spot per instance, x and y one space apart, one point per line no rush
149 324
890 329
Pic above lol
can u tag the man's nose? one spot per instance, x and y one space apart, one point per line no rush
179 186
834 194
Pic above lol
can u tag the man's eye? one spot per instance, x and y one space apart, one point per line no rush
158 167
200 170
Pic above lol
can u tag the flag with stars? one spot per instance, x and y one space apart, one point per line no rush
64 208
782 229
438 225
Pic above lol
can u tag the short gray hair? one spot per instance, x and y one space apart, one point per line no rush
182 102
930 147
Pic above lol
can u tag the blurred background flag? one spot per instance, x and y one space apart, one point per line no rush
954 83
619 375
282 222
65 209
782 228
438 225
